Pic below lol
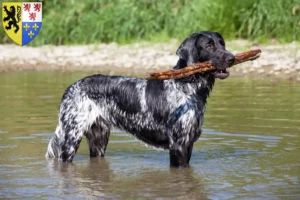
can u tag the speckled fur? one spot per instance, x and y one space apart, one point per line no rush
166 114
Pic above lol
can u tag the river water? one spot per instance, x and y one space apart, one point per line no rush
249 149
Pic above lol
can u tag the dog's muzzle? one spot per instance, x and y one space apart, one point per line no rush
221 72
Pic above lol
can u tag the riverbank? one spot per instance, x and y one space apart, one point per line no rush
278 61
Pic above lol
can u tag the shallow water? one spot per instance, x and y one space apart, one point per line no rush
249 148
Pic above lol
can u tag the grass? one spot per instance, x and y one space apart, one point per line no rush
126 21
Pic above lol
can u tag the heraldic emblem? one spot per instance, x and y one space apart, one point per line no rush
22 21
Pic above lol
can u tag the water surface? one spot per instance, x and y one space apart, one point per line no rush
249 148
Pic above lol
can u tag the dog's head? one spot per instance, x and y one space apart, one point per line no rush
206 46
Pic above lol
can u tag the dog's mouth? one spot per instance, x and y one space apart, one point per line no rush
221 74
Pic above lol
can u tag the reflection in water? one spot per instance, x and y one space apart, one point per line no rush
87 181
249 148
97 180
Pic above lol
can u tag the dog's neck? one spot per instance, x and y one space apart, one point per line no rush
201 82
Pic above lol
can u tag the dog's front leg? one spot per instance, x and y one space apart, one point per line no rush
180 155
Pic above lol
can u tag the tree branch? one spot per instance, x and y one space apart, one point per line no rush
202 67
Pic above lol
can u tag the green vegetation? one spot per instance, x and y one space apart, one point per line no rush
125 21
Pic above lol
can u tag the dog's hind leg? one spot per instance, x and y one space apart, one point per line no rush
64 144
97 137
77 114
70 146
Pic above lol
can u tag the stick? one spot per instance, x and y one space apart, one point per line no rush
202 67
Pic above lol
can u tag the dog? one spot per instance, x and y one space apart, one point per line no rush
166 114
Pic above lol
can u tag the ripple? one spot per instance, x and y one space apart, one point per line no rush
1 132
271 137
8 146
22 137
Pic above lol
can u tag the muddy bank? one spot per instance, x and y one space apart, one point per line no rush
276 61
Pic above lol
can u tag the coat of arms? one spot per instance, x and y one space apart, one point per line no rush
22 21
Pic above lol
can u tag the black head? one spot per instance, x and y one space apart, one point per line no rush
205 46
12 9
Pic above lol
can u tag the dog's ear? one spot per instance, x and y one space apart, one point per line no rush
182 52
187 52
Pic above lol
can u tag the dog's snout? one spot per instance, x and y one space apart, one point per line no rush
230 59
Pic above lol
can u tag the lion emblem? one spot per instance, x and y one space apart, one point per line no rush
11 17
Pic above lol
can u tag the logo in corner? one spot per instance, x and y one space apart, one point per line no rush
22 21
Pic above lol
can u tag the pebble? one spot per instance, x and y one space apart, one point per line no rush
261 71
276 73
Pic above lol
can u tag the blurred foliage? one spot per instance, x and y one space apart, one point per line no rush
126 21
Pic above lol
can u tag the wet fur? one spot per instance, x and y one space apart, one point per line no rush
166 114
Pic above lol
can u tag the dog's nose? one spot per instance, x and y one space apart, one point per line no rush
230 59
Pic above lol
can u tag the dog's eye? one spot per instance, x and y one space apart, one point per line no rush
209 46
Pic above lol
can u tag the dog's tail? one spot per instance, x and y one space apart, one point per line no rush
53 150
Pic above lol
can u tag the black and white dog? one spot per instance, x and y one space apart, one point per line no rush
166 114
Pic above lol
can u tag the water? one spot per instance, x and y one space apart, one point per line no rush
249 148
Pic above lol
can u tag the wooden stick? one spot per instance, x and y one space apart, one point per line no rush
202 67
